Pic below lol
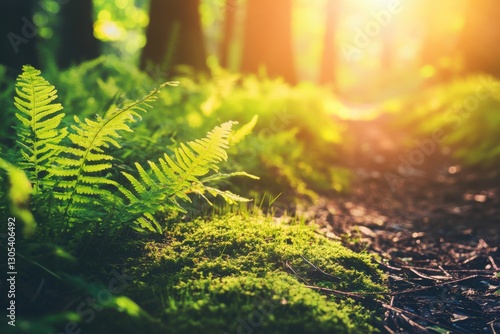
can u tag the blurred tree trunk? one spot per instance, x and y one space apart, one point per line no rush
174 36
268 38
480 38
330 55
227 32
77 33
18 34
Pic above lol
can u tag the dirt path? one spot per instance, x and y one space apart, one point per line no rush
435 226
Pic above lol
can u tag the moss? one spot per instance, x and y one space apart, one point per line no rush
275 303
232 274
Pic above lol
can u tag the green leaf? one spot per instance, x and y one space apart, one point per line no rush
19 194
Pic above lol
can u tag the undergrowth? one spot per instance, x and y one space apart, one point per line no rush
94 184
76 187
460 116
287 148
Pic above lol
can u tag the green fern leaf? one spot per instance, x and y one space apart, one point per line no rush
39 133
174 178
219 177
201 156
81 170
228 196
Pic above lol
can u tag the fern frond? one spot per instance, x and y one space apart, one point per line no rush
219 176
243 131
228 196
198 157
144 202
81 170
39 133
175 177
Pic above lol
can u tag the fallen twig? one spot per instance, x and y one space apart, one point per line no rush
319 269
434 286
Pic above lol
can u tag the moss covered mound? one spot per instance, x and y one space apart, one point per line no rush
250 275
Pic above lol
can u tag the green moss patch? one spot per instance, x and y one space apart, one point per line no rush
250 275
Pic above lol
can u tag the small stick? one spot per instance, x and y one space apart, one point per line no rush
319 269
434 286
493 263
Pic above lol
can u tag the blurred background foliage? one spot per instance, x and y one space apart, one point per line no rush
300 66
336 59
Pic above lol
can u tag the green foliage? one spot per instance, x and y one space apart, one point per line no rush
101 177
295 133
62 293
80 179
296 137
170 179
7 89
230 267
462 115
39 133
18 197
72 171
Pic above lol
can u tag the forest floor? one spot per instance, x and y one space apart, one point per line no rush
435 228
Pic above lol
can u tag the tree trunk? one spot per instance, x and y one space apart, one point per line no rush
329 57
268 38
77 33
227 32
174 36
479 43
18 34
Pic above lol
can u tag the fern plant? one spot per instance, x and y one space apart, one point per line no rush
174 178
81 172
72 170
